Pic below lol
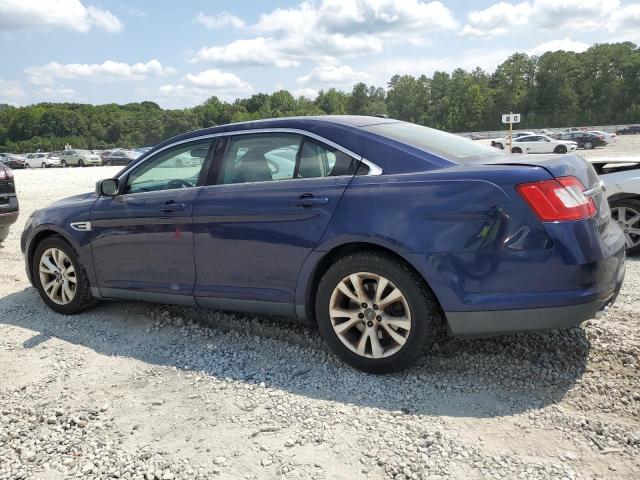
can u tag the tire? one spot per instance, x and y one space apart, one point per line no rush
631 207
108 163
420 302
80 163
516 150
44 165
82 298
26 165
561 149
498 145
4 233
588 145
63 163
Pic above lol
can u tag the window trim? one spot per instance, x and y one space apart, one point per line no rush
374 169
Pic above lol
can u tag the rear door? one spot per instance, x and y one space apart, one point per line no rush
142 239
269 201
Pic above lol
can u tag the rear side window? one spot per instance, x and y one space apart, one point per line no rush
431 140
275 156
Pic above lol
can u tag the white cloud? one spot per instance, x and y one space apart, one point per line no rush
69 14
551 15
627 18
307 92
108 70
334 75
195 88
222 20
255 51
215 79
565 44
332 28
10 92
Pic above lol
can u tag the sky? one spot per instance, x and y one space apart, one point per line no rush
180 53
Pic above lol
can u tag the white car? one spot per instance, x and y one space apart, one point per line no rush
79 158
610 138
542 144
503 142
42 160
621 179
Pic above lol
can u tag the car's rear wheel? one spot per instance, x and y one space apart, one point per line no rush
60 277
4 233
80 163
588 145
560 149
63 163
516 150
627 213
109 163
44 165
375 312
498 145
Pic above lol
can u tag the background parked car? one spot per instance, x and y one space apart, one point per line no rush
503 142
630 130
585 140
14 161
542 144
8 201
120 157
621 178
79 158
610 138
42 160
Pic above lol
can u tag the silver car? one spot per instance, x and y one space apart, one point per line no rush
79 158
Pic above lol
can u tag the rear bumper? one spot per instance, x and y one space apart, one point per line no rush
497 322
8 210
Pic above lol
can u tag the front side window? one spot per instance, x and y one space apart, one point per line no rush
177 167
267 157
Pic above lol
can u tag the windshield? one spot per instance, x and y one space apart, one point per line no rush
430 140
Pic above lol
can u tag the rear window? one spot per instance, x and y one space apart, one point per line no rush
431 140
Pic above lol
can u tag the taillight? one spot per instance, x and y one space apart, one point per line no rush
558 200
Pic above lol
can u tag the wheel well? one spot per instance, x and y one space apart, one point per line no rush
623 196
37 240
338 252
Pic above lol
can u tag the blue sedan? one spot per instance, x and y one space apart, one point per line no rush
379 232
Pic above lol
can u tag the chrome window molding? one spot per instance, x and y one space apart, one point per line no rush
373 168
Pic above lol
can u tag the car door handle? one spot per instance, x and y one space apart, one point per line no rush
172 206
308 200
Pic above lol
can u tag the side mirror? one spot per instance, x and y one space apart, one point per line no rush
107 187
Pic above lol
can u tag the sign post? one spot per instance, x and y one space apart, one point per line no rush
510 118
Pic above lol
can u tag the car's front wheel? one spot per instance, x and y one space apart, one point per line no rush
588 145
375 312
4 233
63 164
561 149
80 163
60 277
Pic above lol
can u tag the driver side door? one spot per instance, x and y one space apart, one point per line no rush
142 239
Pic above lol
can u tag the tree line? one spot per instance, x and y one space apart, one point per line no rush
597 87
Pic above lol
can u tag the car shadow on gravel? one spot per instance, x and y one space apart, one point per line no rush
480 378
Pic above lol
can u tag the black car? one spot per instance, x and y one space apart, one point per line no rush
585 140
8 201
119 157
630 130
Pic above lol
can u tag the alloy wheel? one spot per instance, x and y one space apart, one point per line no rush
57 276
370 315
629 221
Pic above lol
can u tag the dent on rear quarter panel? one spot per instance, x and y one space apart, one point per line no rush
433 219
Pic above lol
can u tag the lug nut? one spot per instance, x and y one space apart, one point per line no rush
364 305
369 324
379 318
361 315
375 307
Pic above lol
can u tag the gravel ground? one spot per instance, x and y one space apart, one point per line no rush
144 391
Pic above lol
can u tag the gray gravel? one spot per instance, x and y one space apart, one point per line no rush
132 390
